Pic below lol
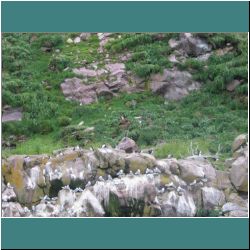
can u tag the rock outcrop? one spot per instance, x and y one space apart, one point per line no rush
173 84
74 182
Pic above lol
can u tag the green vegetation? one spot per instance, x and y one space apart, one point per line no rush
149 52
210 118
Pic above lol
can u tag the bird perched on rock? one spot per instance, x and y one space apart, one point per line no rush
110 177
157 171
9 186
161 191
170 186
88 184
101 178
104 146
138 172
131 174
72 176
120 173
192 183
204 180
149 171
78 190
26 210
66 187
54 198
180 191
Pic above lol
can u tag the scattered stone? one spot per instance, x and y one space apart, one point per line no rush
12 114
69 41
77 40
173 84
128 145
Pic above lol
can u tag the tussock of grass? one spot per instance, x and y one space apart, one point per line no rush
209 117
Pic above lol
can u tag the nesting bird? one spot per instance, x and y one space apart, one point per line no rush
120 173
131 174
104 146
66 187
138 172
110 178
101 178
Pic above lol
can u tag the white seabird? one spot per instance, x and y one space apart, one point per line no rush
78 190
192 183
110 177
157 171
9 186
66 187
88 184
101 178
104 146
120 173
72 176
131 174
138 172
149 171
161 191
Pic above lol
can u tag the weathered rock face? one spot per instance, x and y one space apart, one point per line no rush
190 45
104 82
239 141
110 182
239 174
212 198
12 114
173 84
174 205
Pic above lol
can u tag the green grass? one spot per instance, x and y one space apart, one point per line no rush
209 117
35 145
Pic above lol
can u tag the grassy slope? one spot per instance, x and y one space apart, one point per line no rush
207 118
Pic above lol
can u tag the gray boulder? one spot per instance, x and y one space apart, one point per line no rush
128 145
212 198
239 174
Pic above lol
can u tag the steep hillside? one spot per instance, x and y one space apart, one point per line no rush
130 85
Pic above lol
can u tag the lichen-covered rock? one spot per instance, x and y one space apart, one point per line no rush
190 170
140 161
109 158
